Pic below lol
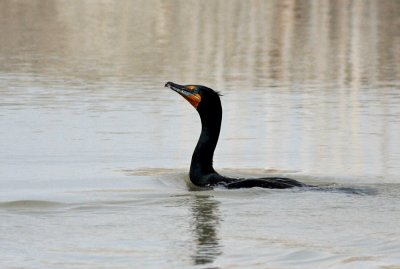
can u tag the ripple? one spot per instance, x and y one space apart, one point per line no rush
30 204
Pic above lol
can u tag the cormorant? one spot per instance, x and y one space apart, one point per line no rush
208 104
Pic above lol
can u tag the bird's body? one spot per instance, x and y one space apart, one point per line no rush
208 104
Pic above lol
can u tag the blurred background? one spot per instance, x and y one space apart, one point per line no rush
309 86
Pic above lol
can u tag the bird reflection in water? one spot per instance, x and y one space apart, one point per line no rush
205 229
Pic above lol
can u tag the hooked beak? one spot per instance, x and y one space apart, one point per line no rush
187 91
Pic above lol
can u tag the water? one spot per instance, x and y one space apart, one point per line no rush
95 151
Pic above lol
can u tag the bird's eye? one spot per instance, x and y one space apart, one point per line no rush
193 89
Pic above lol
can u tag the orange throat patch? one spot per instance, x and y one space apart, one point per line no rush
193 99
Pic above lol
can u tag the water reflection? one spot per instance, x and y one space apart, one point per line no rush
226 43
311 85
205 229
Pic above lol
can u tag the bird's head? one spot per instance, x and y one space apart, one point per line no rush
200 97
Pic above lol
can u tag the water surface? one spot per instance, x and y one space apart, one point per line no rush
95 151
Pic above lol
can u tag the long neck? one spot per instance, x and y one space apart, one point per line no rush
202 159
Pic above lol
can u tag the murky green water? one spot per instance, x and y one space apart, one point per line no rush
95 151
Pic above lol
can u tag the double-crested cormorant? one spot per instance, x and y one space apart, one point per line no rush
208 105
